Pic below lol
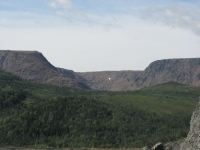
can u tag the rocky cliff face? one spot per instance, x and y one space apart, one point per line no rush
185 71
71 74
192 141
33 66
111 80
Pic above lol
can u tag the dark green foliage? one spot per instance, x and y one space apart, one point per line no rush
10 97
84 122
39 115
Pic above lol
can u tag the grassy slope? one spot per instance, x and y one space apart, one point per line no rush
169 98
122 119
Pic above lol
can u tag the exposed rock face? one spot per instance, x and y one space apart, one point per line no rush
73 75
185 71
33 66
192 141
158 146
111 80
145 148
173 145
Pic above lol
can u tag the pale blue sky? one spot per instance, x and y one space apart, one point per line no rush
95 35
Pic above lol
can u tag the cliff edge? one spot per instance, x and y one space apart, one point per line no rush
184 70
32 65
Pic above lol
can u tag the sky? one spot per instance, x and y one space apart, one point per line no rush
102 35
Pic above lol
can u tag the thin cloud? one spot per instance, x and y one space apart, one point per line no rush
52 4
65 9
63 15
66 4
174 16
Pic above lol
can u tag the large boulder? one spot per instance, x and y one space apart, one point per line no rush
158 146
173 145
145 148
192 141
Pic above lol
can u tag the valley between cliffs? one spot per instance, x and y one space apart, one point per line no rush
32 65
184 70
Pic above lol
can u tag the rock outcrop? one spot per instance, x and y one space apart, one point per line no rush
33 66
192 141
173 145
158 146
146 148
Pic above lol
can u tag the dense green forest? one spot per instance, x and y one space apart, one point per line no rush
38 115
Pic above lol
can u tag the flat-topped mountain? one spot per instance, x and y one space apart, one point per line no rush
33 66
185 71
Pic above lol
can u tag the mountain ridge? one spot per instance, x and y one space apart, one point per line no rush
183 70
32 65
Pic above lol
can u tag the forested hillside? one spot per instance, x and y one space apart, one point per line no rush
38 115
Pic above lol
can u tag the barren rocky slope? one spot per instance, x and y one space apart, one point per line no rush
185 71
33 66
111 80
192 141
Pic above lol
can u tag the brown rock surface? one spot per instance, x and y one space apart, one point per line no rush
192 142
111 80
158 146
185 71
33 66
173 145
